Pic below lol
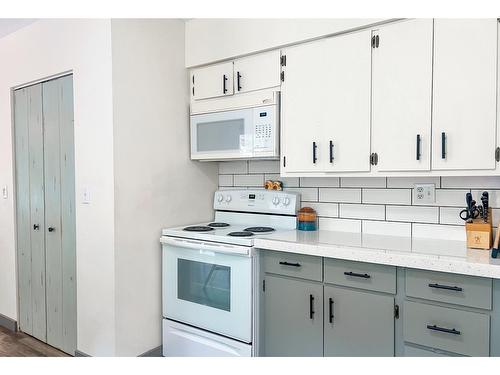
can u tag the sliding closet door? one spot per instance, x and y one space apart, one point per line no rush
59 213
30 210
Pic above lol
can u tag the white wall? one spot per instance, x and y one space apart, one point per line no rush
209 40
156 185
43 49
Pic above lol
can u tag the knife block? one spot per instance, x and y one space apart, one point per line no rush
479 233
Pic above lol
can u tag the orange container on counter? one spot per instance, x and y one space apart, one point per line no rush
307 219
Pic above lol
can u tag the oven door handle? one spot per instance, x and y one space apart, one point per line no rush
198 245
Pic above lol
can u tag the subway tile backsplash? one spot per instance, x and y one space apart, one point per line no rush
376 205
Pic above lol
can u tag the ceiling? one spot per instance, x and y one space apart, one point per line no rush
9 25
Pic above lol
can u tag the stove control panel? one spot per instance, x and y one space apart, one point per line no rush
262 201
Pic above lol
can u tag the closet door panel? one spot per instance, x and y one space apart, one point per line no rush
52 119
38 270
68 216
23 209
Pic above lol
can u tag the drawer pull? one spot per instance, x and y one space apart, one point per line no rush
290 264
311 306
439 286
452 331
354 274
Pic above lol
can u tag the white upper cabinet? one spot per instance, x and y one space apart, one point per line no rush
243 75
326 105
212 81
464 97
257 72
402 94
302 109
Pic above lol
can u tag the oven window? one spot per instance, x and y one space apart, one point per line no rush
204 283
219 135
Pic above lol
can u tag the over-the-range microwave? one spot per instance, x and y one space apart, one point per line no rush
251 132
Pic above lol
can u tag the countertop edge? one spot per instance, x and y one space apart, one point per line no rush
385 257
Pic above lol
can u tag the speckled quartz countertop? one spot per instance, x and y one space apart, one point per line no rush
422 253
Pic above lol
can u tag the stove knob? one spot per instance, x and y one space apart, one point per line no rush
276 200
228 199
220 198
286 201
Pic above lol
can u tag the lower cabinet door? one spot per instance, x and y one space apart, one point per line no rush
358 323
293 318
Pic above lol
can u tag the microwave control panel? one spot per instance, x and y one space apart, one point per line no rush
264 129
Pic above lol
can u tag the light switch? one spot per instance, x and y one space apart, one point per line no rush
86 195
5 192
425 193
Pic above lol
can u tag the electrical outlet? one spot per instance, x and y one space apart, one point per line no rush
424 193
86 195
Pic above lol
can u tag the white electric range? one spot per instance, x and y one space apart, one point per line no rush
210 274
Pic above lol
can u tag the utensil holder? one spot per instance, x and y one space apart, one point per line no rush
479 233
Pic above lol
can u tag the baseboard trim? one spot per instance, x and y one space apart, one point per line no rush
8 323
155 352
81 354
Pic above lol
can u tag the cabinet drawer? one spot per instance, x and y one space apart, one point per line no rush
361 275
295 265
413 351
449 288
456 331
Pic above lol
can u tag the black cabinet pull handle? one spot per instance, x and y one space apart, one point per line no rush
290 264
51 229
439 286
311 306
363 275
330 309
443 145
36 227
224 88
434 327
314 152
331 151
238 77
418 146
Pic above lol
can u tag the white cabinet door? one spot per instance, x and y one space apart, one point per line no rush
302 117
464 98
212 81
326 98
257 72
401 101
345 103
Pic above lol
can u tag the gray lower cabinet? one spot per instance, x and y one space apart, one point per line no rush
293 317
358 323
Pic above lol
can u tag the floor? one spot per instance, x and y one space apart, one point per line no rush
18 344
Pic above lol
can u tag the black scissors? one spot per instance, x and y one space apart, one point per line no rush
471 212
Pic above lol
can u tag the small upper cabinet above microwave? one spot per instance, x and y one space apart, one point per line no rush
239 76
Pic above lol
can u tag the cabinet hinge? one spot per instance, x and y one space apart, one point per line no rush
374 158
497 154
264 286
193 84
373 41
396 311
282 76
377 41
283 60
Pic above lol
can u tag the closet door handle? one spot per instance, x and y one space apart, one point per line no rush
238 77
443 145
224 88
331 151
51 229
36 227
311 306
314 152
418 146
330 310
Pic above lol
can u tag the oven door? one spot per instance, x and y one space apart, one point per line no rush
208 286
222 135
